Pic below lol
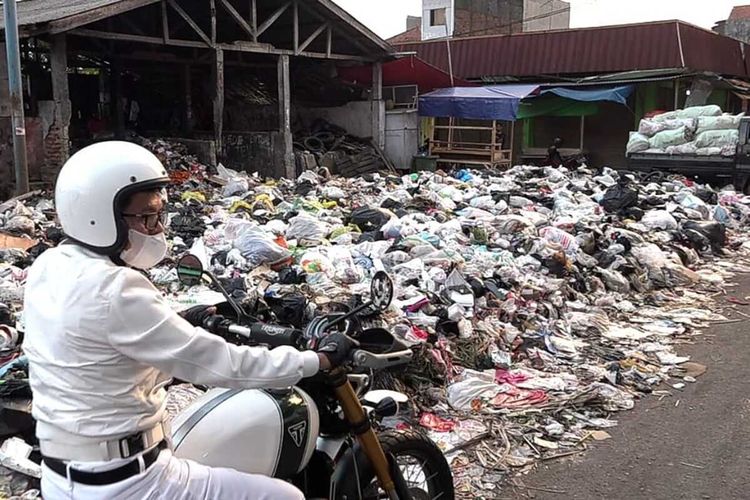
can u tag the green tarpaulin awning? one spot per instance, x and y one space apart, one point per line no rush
550 105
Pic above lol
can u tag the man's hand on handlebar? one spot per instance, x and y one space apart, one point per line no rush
334 350
198 314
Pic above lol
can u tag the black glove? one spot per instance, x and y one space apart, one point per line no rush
197 315
337 347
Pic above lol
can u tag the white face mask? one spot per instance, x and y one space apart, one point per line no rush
145 250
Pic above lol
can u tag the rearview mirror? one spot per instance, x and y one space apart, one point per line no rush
190 270
381 291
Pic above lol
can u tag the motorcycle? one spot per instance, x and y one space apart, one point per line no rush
320 435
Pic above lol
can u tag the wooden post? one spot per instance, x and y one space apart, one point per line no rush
119 111
583 128
61 92
218 101
512 141
295 26
450 132
285 153
254 19
378 106
213 21
186 76
164 21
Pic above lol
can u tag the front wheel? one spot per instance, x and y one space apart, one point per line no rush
423 466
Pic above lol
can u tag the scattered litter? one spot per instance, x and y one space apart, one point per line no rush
538 301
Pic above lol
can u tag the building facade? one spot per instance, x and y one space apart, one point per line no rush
738 24
462 18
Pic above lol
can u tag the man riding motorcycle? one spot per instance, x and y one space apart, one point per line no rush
102 344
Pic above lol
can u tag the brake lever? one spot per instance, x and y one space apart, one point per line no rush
366 359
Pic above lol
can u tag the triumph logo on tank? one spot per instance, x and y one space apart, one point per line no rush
297 431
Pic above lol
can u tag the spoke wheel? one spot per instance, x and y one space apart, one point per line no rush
422 465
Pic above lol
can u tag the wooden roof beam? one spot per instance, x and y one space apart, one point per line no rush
191 23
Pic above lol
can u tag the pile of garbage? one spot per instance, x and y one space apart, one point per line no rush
699 130
539 301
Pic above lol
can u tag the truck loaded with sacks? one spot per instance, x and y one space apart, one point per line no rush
700 141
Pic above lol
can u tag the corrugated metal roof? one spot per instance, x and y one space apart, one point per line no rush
609 49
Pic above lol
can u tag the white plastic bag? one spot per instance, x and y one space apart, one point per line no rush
717 138
258 247
724 122
659 219
683 149
650 128
675 137
306 227
693 112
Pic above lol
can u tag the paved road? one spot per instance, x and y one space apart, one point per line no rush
698 449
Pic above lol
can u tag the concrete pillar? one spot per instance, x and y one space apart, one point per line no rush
285 152
378 106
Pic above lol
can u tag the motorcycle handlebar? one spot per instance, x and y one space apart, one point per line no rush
277 336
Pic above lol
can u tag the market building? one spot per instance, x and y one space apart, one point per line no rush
670 64
234 80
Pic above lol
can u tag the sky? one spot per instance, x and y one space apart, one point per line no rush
388 17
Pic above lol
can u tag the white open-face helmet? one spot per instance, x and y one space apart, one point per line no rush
93 186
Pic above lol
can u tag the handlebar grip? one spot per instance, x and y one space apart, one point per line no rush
259 333
272 335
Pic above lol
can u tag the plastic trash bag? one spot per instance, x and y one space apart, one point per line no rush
306 227
619 197
717 139
476 385
637 143
649 127
615 281
259 247
714 232
344 269
566 240
663 140
692 112
289 307
724 122
683 149
333 193
659 219
370 219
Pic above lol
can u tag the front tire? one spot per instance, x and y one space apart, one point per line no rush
423 466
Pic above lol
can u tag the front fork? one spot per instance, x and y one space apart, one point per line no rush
357 417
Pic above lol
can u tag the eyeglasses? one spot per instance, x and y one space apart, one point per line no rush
151 221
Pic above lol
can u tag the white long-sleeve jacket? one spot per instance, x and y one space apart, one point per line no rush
102 343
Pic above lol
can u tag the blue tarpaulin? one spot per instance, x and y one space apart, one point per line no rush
499 102
615 94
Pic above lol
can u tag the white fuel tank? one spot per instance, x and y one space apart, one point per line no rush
257 431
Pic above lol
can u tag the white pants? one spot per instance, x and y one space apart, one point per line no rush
173 478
